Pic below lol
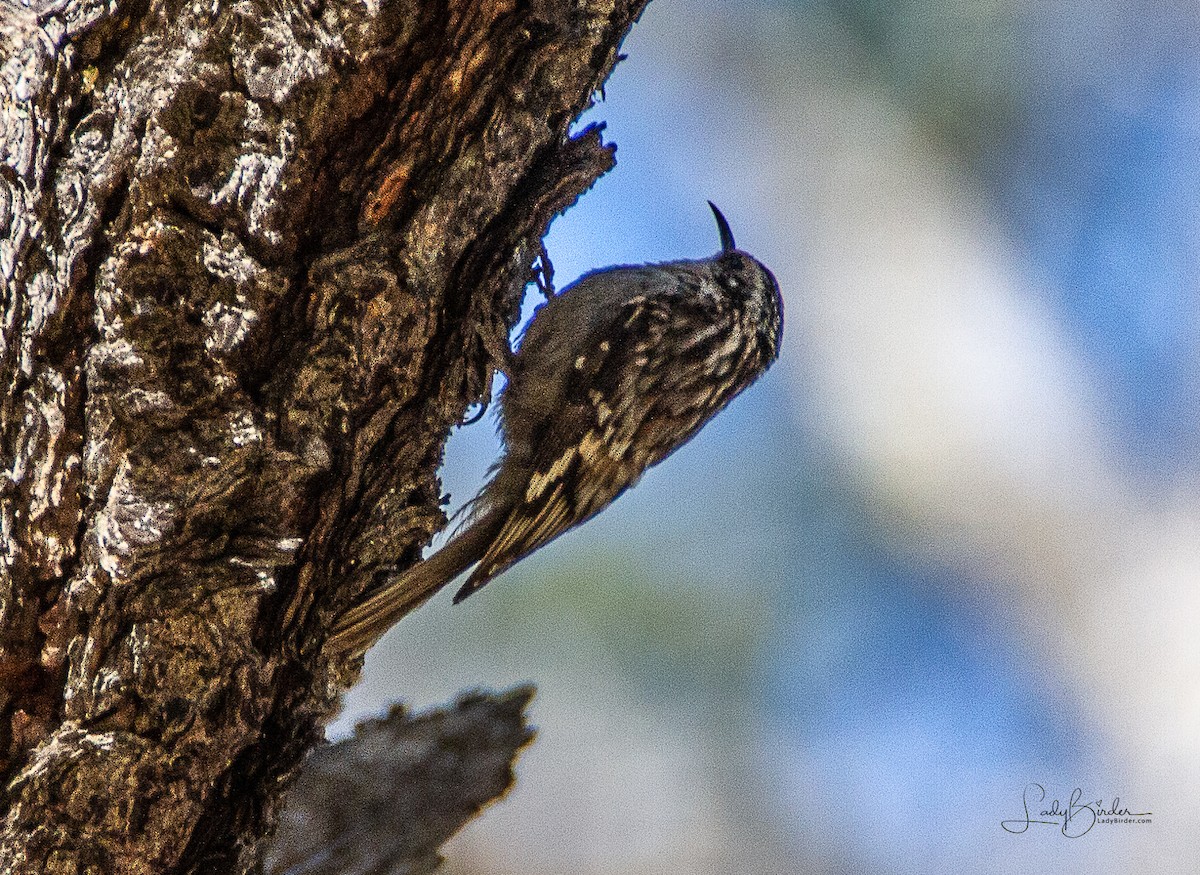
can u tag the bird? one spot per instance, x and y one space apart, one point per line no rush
611 376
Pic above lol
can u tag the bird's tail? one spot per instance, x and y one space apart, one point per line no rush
365 623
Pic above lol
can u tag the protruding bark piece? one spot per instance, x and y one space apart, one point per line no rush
387 799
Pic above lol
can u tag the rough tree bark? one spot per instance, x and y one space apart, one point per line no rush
257 258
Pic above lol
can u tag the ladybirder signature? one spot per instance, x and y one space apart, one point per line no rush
1074 819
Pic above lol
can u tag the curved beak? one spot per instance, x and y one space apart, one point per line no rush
727 244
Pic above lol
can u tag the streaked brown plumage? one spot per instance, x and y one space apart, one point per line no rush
612 375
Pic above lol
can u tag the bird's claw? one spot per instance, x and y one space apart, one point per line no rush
543 272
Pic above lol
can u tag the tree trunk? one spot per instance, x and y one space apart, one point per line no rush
257 257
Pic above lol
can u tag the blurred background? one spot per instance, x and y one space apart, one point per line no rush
950 545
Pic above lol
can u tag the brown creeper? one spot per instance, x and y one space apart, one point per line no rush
611 376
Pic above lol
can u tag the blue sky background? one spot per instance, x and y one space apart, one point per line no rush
947 545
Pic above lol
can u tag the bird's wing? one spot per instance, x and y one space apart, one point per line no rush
625 408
